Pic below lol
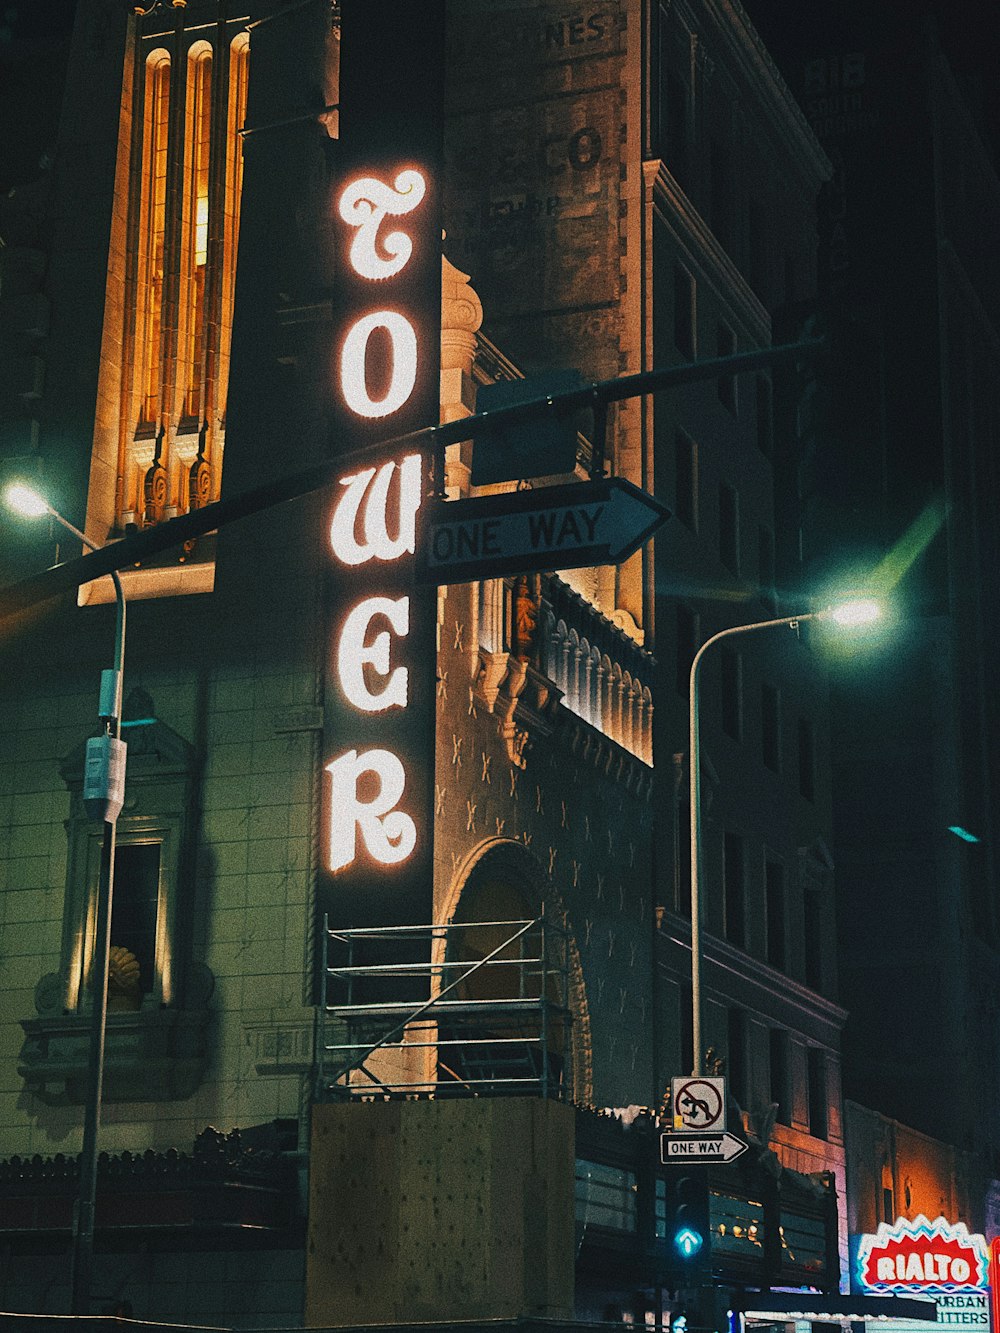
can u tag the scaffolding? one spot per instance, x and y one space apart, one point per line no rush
469 1009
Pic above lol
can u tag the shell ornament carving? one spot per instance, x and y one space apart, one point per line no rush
154 490
124 993
199 484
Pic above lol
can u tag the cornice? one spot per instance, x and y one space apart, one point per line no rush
700 242
776 991
761 81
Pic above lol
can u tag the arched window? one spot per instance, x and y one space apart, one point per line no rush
195 232
239 77
171 285
151 238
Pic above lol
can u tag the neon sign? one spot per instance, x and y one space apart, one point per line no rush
922 1256
388 834
384 381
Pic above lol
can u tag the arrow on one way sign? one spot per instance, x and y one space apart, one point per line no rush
554 527
707 1148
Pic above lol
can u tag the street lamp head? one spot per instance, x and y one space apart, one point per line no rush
856 611
24 500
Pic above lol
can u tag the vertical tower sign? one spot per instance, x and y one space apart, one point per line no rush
385 215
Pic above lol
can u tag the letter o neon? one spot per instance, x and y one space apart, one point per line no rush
353 381
961 1270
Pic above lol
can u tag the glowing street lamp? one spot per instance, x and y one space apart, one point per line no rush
103 793
853 612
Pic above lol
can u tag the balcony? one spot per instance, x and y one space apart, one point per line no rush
545 652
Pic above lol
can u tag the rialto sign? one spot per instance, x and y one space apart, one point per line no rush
378 762
922 1256
941 1260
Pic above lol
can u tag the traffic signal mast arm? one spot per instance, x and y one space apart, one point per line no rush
141 546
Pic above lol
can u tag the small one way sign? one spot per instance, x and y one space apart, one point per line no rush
553 527
710 1149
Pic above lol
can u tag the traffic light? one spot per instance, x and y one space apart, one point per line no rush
687 1223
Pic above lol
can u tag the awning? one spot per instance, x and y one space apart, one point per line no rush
780 1306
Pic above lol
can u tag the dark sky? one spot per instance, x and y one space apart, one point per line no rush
34 37
969 31
34 42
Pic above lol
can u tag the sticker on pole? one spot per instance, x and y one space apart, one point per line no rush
698 1103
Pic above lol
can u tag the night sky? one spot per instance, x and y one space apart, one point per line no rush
34 45
969 30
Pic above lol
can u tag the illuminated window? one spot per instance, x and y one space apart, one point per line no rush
134 918
160 429
194 235
152 206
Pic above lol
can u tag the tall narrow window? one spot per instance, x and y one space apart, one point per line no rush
770 726
688 630
729 528
732 694
781 1091
734 890
774 893
723 200
765 416
151 238
684 313
807 759
134 923
194 246
765 566
239 72
672 109
682 860
812 931
726 384
686 495
817 1092
757 236
736 1059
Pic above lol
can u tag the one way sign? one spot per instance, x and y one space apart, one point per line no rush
554 527
707 1148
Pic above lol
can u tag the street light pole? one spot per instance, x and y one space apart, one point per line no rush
694 764
83 1221
104 783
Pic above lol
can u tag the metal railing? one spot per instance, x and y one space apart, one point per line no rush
469 1009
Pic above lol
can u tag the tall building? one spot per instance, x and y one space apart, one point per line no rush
904 459
319 1015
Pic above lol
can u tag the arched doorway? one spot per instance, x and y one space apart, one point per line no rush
525 999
